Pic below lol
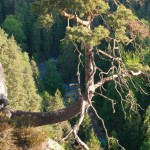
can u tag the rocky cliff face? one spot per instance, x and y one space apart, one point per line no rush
3 89
49 144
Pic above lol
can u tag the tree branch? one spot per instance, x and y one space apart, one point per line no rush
113 77
75 17
107 55
23 118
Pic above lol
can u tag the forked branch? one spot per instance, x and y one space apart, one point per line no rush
75 17
123 75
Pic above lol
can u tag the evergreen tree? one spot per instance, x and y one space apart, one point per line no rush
14 27
47 43
58 34
94 142
36 42
19 76
146 129
1 13
130 136
67 62
8 7
52 80
47 101
52 103
36 75
88 136
33 100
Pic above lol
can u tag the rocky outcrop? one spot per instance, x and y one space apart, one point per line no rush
49 144
3 89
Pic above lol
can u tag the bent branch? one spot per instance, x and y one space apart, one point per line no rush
23 118
107 55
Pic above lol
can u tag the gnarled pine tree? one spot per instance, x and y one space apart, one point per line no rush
114 27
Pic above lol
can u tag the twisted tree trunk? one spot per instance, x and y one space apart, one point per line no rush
23 118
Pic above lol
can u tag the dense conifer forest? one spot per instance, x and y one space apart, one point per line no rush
53 53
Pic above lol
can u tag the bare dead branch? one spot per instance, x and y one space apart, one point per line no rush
67 136
75 17
109 56
125 115
142 90
77 126
109 99
105 54
103 125
80 141
78 67
113 77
